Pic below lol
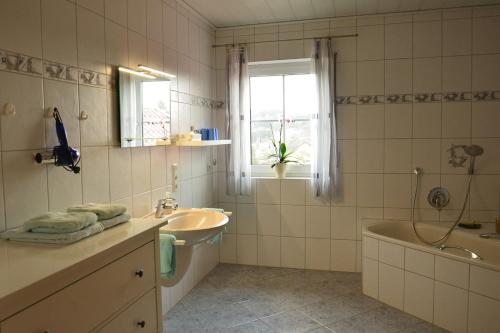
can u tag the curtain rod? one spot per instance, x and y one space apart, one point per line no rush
284 40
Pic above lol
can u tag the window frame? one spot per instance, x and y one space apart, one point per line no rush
280 68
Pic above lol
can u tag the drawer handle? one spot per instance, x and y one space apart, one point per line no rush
139 273
141 324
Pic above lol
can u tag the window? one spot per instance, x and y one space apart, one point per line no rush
281 92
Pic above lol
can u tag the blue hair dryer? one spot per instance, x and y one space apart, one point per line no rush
62 155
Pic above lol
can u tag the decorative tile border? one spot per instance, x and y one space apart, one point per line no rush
20 63
23 64
467 96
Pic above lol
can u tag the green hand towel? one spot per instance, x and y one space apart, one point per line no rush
167 256
103 211
59 223
216 239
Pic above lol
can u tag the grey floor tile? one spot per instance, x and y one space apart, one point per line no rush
291 321
257 326
238 298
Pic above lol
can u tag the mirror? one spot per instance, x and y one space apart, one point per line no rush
144 104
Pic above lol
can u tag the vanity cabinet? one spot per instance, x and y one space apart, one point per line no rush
120 293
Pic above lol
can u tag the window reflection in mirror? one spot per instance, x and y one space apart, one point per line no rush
144 110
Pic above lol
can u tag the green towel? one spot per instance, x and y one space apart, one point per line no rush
167 256
216 239
21 235
59 223
103 211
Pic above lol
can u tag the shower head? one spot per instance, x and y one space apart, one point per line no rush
473 150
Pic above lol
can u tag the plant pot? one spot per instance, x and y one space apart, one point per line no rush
280 170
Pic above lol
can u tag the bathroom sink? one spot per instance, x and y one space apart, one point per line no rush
194 226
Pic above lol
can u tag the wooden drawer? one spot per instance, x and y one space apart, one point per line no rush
140 317
88 302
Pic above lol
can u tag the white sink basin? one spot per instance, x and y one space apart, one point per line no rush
195 225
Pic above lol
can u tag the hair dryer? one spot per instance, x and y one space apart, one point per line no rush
62 155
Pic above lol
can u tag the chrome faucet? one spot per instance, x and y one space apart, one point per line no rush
167 204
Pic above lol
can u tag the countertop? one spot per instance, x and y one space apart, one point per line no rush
25 264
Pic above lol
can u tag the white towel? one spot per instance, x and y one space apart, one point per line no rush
115 221
20 235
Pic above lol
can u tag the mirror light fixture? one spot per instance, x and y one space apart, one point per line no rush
131 71
155 71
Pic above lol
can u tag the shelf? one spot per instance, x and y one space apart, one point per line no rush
203 143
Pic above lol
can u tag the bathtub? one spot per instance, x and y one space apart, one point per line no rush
446 288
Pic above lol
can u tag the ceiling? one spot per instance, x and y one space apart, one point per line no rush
227 13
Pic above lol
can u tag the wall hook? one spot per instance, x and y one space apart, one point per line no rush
9 109
49 113
83 115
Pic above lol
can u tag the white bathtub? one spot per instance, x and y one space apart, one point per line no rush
446 288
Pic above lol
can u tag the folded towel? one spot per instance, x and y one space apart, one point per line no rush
103 211
216 239
167 256
21 235
59 223
115 221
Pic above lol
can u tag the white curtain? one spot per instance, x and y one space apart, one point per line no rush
325 161
238 168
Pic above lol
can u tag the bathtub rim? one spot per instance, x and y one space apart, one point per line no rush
369 224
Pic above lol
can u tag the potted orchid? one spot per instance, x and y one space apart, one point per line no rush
281 157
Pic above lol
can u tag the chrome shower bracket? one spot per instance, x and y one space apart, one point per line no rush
438 197
456 160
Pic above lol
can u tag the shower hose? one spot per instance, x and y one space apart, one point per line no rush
437 242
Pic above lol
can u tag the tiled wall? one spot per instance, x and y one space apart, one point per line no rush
61 53
409 86
70 50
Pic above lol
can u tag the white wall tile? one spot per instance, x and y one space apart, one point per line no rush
26 94
484 281
452 272
391 285
427 75
343 255
247 219
370 277
293 220
419 262
427 120
293 191
450 307
457 37
370 77
91 40
247 249
370 190
419 296
485 35
65 189
318 254
370 121
398 121
24 181
94 129
398 76
398 41
293 252
59 31
116 11
141 170
370 156
397 153
391 254
317 222
228 249
268 191
269 251
343 223
120 161
483 314
370 42
24 18
426 39
485 71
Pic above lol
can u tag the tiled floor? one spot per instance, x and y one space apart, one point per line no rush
235 298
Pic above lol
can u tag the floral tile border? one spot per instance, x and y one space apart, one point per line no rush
464 96
24 64
20 63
